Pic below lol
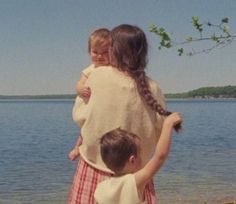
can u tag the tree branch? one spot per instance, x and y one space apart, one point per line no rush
222 37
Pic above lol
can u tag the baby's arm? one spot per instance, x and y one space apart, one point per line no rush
74 153
144 175
81 88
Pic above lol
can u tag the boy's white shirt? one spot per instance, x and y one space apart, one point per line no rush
118 190
130 187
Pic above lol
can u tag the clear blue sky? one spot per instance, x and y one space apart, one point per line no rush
43 43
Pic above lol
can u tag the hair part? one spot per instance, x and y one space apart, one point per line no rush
128 48
116 148
128 52
99 38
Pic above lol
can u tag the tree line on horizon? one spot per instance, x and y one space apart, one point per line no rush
204 92
207 92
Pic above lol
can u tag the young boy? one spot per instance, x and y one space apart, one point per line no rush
120 151
98 45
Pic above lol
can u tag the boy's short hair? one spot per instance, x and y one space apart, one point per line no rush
99 38
116 148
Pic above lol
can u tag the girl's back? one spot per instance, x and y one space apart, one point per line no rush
115 102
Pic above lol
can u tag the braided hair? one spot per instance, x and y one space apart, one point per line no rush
128 52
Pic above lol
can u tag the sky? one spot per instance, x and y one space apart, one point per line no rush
43 43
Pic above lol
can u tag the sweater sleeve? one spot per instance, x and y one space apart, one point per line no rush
79 110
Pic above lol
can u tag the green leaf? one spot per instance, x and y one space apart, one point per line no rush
196 24
180 51
209 23
195 18
152 27
168 45
226 30
189 39
161 30
215 38
225 20
166 37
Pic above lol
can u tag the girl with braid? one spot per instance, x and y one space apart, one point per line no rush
122 96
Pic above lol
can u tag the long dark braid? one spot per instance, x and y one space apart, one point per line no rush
146 94
128 53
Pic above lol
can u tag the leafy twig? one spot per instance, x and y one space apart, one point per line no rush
221 38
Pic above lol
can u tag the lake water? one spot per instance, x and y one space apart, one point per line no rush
35 137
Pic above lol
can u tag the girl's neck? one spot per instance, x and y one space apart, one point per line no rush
122 71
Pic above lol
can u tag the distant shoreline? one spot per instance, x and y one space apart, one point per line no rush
222 92
52 96
33 98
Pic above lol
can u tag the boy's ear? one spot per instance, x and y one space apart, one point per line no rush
132 159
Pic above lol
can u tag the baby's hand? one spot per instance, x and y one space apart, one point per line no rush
173 119
85 91
74 153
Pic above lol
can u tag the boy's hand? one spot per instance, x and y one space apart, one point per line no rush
173 119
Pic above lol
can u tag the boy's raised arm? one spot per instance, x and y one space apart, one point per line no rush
143 176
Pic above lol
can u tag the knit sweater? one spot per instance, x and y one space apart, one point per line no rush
115 102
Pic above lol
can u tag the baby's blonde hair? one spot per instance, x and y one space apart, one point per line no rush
99 38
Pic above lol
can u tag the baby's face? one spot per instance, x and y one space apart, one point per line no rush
99 56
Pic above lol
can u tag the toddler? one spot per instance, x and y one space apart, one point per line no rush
98 45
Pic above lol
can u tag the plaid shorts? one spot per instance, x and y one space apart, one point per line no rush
85 181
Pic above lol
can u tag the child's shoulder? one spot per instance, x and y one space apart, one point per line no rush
119 182
102 70
114 184
120 189
88 70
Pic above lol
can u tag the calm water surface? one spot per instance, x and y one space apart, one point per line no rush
35 137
